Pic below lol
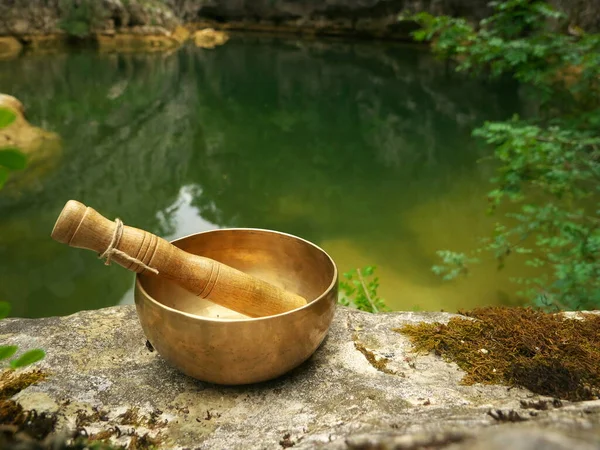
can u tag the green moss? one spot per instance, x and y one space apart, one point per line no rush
548 354
11 384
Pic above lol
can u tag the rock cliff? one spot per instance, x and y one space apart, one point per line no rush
27 18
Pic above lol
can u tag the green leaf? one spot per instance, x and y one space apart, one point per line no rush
4 309
28 358
12 159
6 351
6 117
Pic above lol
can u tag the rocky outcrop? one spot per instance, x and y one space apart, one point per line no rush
584 13
139 39
9 47
378 18
362 389
332 17
25 18
210 38
81 17
42 147
133 25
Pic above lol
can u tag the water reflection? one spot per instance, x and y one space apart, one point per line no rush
362 148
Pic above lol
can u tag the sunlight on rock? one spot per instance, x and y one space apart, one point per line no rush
210 38
43 148
9 47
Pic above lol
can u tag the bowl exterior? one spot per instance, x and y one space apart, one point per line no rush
234 352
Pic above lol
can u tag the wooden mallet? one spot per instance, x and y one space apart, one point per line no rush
142 252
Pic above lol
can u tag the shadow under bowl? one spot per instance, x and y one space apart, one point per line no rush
217 345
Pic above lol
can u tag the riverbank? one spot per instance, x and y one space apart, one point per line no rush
141 25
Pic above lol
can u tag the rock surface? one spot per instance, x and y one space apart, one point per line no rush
210 38
81 17
25 18
43 148
336 400
9 47
138 40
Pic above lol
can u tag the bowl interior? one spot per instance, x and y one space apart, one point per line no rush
281 259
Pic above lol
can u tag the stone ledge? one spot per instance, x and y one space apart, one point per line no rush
103 378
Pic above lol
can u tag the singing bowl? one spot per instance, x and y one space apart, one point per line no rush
217 345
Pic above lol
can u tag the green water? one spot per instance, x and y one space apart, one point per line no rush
361 148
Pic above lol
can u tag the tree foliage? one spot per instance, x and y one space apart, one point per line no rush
79 18
548 180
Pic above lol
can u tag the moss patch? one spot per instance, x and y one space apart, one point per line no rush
11 384
143 442
16 422
548 354
11 413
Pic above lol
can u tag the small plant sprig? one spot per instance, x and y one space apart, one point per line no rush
359 290
7 351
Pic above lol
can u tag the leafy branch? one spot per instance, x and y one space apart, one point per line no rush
547 184
359 290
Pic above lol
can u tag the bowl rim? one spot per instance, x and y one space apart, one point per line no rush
140 287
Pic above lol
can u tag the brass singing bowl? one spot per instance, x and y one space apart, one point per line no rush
217 345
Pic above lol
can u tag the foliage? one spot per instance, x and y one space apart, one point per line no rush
7 351
548 177
546 353
13 159
6 117
10 158
359 290
80 17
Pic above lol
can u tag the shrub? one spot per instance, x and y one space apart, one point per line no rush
548 179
